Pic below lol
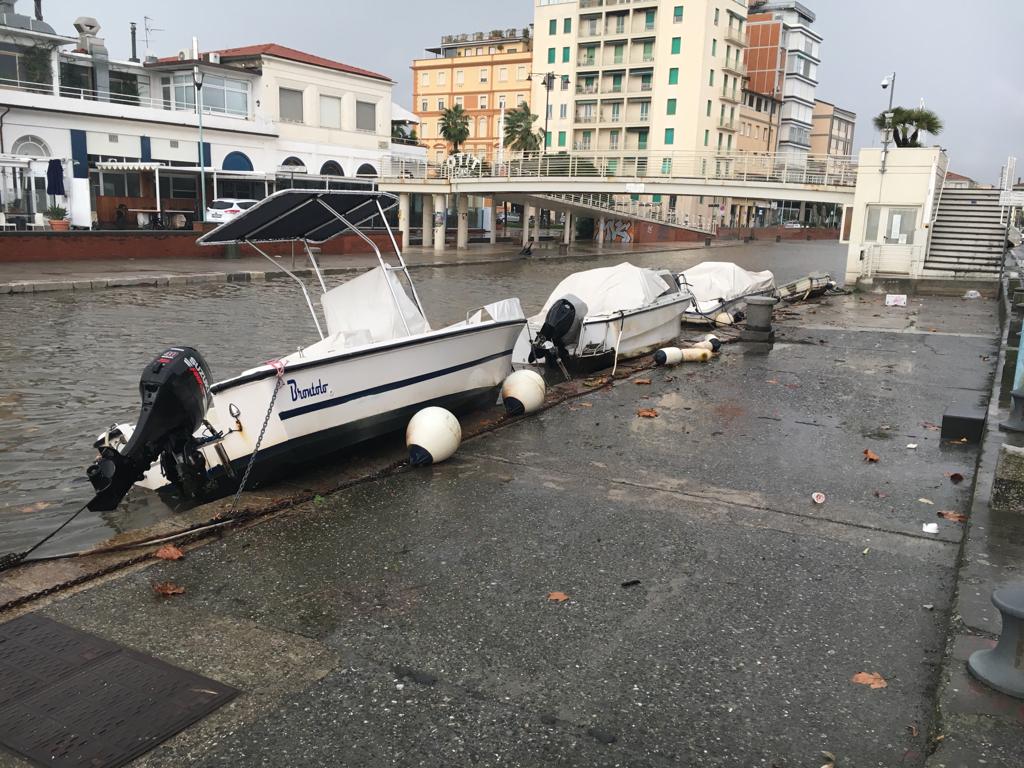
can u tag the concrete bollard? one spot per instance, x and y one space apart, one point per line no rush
1002 667
1008 485
1015 421
759 319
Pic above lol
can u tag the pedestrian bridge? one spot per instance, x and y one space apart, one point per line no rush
742 175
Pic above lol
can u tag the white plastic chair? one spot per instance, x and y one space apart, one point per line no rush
3 223
38 223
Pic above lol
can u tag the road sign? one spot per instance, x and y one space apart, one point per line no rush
1011 199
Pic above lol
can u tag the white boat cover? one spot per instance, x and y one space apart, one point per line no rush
608 290
363 310
714 283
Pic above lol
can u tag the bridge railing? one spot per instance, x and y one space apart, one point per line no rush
785 168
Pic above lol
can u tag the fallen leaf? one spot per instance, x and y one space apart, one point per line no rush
956 517
913 730
168 588
557 597
872 679
881 494
773 381
595 382
870 455
830 758
955 477
631 583
641 381
926 501
929 425
792 386
576 406
933 330
647 413
169 552
38 506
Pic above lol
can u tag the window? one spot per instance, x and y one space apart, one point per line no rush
501 101
728 141
717 11
707 135
549 107
719 140
711 77
648 51
459 101
424 105
503 75
483 127
330 112
567 26
714 47
900 224
442 78
613 139
677 14
553 27
677 44
551 55
547 139
673 76
366 116
670 135
460 76
291 105
649 20
483 74
645 111
616 83
616 112
617 54
565 55
561 134
563 111
707 110
482 101
521 73
424 78
641 139
565 82
32 146
440 104
670 107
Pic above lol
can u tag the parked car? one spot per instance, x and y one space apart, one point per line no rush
226 208
792 225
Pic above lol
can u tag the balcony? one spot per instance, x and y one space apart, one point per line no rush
590 32
726 124
586 118
587 61
732 95
587 89
737 68
736 35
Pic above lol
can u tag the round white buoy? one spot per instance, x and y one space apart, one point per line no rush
668 356
522 392
723 318
716 343
432 436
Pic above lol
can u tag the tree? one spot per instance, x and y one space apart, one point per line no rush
520 135
907 125
454 126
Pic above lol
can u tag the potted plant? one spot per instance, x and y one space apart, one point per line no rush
56 216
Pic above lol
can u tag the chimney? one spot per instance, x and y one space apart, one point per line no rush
39 10
89 43
135 53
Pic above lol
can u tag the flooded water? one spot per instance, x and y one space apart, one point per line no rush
70 362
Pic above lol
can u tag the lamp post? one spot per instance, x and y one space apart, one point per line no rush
197 78
888 83
549 84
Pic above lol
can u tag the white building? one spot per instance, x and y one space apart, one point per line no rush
128 131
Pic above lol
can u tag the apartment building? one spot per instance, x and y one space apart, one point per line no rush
783 53
485 73
127 131
758 123
832 133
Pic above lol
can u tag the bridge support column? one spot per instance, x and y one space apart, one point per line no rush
428 220
527 213
440 215
567 232
536 225
494 221
462 221
600 230
403 218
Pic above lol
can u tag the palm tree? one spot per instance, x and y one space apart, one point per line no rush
454 126
907 125
520 135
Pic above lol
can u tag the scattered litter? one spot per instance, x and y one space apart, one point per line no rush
818 497
557 597
830 758
38 506
866 550
773 381
928 606
896 300
641 381
913 730
930 527
972 294
926 501
929 425
597 381
872 679
168 588
911 446
169 552
577 406
881 494
955 477
956 517
871 456
631 583
647 413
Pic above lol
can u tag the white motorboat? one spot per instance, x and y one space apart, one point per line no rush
721 286
595 317
377 364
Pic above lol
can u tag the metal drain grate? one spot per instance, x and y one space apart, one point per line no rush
68 698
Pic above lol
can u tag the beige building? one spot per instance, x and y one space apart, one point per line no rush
832 132
758 124
484 73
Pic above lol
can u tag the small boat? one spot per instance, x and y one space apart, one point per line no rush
721 286
595 317
378 363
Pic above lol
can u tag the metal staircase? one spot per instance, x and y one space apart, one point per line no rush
968 238
608 205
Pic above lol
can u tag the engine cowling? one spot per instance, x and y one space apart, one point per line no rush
175 390
561 328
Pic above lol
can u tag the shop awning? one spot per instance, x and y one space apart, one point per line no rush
131 166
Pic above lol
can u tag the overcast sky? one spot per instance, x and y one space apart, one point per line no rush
963 59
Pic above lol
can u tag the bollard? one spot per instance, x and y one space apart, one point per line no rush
1015 421
759 319
1002 667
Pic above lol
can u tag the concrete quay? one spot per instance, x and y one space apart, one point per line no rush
715 615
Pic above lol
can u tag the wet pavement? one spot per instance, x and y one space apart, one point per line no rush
70 361
714 616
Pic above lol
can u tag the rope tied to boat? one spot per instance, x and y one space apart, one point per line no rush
278 367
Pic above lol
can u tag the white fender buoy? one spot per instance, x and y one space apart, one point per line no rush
704 345
696 355
522 392
723 318
716 343
668 356
432 436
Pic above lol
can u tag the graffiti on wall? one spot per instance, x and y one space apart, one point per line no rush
618 229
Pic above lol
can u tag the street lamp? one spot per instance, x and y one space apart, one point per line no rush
197 78
549 84
888 83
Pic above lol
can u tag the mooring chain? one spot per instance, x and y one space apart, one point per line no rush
279 367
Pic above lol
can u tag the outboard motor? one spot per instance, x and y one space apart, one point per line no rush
175 391
561 328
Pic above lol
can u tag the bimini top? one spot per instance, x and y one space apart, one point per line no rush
302 214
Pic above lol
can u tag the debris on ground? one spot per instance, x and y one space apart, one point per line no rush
872 679
168 588
829 758
641 381
557 597
926 501
930 527
955 517
955 477
870 456
168 552
911 446
818 497
647 413
631 583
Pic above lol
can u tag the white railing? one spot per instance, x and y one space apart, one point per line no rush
635 209
784 168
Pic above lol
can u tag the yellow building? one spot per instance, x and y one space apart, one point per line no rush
758 124
484 72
